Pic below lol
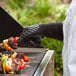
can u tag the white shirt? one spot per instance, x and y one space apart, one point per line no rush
69 48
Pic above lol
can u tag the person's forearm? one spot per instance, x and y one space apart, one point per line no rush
52 30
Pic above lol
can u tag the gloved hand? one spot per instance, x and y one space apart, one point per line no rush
29 31
30 37
33 41
51 30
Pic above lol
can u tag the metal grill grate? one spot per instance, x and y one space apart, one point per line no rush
38 55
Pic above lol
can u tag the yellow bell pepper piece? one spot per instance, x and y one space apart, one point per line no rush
7 67
14 55
7 46
10 72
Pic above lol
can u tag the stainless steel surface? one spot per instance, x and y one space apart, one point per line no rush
49 71
38 50
41 69
37 53
44 65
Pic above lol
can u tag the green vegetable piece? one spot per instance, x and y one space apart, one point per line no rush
11 55
3 45
3 57
4 61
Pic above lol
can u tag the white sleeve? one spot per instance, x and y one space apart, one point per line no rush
69 49
71 67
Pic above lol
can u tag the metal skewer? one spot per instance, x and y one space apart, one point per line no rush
32 62
31 57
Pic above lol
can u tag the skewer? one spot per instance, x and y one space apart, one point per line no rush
28 66
31 57
32 62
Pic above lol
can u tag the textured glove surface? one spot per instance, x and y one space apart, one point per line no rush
29 31
32 35
31 41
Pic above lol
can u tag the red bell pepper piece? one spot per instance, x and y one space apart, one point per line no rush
21 60
26 59
23 65
16 39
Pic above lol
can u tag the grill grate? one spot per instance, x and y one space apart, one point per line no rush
30 52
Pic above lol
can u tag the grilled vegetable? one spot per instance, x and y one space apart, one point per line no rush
6 45
10 63
23 65
7 66
21 60
14 55
16 39
26 59
10 72
4 61
9 44
3 56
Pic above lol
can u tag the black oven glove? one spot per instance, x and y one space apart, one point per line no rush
33 41
34 32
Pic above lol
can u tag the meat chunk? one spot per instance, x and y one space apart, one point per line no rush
13 67
17 69
17 64
11 43
1 47
0 54
20 55
16 61
1 65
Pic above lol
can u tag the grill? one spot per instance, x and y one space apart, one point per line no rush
43 62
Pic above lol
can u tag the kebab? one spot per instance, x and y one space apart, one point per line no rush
9 44
13 63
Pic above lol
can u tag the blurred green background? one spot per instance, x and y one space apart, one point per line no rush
31 12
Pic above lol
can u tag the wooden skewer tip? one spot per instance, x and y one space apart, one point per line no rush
28 66
31 57
32 62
